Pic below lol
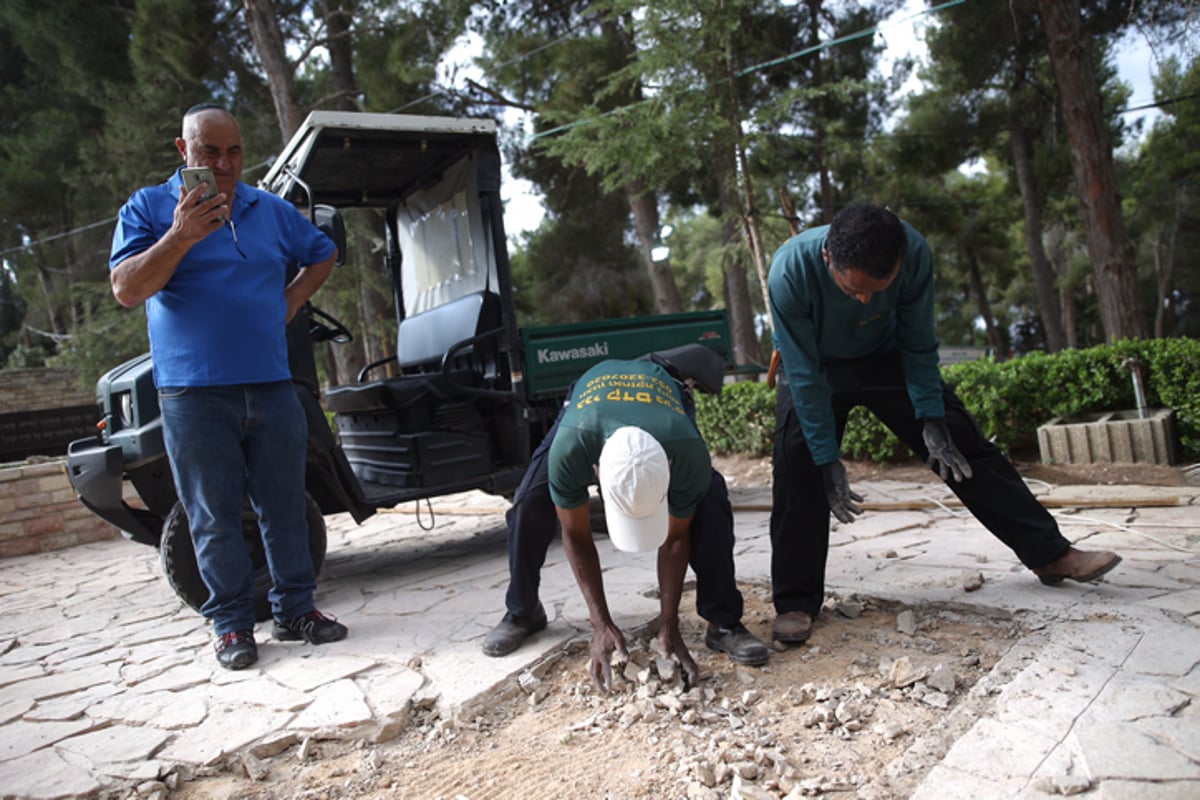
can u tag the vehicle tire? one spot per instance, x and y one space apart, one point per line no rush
178 557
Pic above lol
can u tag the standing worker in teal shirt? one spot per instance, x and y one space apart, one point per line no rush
852 305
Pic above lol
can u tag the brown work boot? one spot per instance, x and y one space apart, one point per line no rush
792 627
1077 565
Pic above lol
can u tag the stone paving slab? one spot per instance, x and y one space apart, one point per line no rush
107 680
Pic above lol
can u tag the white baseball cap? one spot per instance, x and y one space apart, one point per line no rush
634 479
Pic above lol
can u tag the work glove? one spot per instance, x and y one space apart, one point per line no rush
841 497
944 457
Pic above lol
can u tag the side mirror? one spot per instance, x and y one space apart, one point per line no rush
329 220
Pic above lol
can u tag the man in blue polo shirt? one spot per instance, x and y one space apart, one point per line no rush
852 304
216 279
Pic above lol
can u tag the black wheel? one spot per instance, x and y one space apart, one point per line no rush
178 557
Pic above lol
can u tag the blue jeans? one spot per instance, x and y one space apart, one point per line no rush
224 443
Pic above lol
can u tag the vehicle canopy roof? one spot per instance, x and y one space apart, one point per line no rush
349 158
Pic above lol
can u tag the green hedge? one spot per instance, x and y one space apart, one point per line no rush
740 420
1010 399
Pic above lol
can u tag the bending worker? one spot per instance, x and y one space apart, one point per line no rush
853 310
629 425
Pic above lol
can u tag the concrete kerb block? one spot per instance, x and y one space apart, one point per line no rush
1112 437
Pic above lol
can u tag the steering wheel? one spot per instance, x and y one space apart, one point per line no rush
334 331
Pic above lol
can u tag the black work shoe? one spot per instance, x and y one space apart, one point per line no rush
792 627
236 649
313 627
741 645
512 630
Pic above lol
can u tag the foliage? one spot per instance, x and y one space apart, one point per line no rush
92 93
1012 399
1163 204
739 420
549 58
1009 399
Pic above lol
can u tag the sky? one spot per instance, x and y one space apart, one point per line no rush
903 35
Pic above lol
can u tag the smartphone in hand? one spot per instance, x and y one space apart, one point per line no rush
194 176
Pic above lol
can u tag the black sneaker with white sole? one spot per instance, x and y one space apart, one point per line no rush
236 649
313 627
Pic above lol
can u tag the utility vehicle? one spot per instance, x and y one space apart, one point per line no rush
461 403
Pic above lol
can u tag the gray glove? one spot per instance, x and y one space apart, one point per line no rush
838 492
944 457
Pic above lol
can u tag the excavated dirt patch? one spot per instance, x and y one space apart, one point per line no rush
863 710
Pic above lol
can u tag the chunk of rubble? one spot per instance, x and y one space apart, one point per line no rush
942 679
936 699
254 768
972 580
850 609
903 673
1063 784
744 790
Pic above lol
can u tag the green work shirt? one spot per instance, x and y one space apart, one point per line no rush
815 323
611 395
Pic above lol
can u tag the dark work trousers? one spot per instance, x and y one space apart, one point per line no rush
533 524
994 494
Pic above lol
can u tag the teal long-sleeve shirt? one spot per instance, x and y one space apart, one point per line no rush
816 323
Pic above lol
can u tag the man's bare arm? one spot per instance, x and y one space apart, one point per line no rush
306 283
672 566
141 276
585 563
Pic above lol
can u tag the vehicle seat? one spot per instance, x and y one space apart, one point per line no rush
440 352
426 426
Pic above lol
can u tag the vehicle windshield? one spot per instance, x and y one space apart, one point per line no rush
444 240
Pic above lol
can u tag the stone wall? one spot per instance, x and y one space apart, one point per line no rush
39 511
47 387
41 412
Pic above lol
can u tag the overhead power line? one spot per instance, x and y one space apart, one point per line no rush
807 51
83 228
747 71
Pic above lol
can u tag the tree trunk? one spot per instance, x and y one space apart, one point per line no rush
748 214
1091 160
1043 273
643 202
1066 301
1164 264
789 210
644 206
985 308
269 44
753 233
737 290
341 54
825 185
